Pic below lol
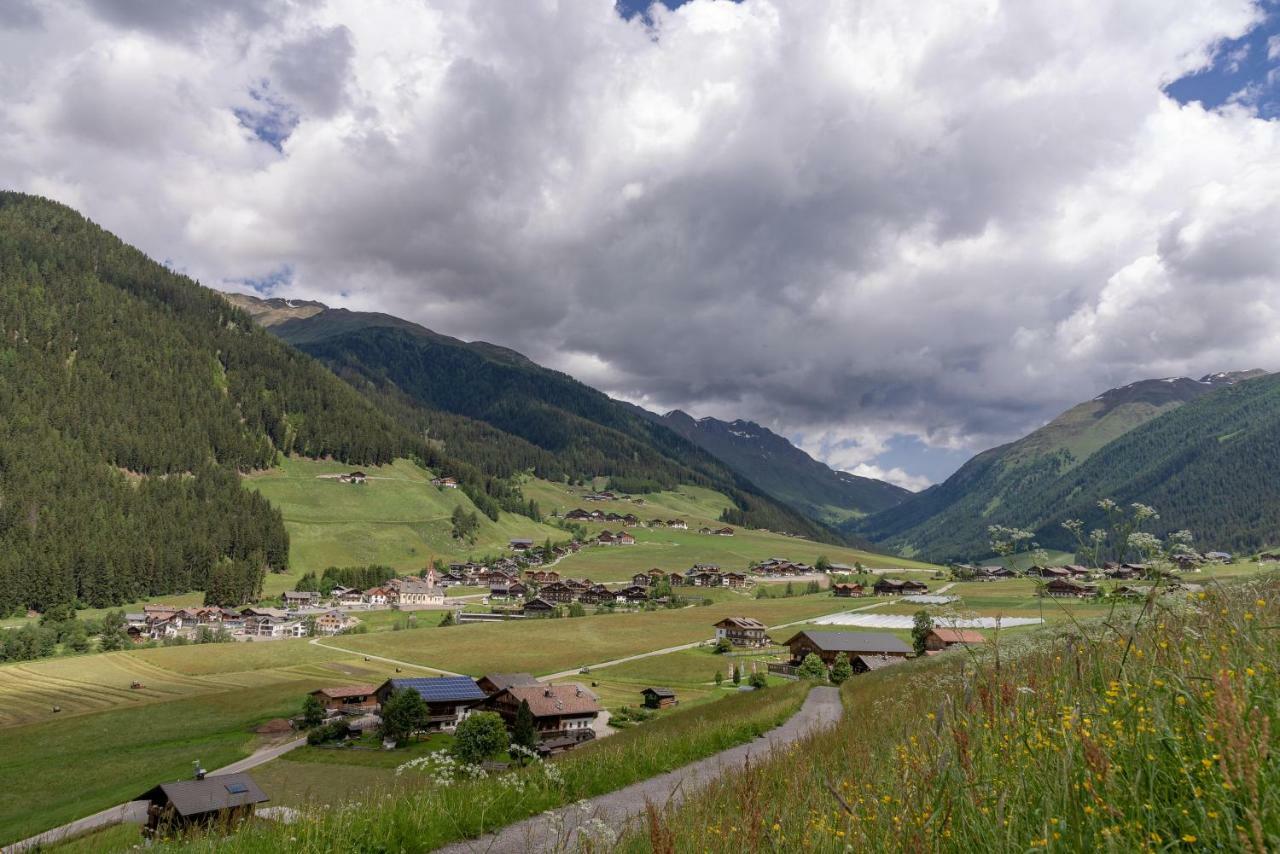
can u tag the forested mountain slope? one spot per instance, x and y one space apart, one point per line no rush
784 471
563 428
129 398
1207 464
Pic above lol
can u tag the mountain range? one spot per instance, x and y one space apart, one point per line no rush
784 471
133 398
535 417
1165 442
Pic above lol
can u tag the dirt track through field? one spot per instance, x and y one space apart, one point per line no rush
619 811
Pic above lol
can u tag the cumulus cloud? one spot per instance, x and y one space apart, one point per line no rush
947 220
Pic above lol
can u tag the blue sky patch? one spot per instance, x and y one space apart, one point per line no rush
267 285
1244 71
270 119
629 9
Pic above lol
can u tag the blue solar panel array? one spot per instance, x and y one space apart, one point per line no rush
442 689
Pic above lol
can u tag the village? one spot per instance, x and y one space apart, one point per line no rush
553 646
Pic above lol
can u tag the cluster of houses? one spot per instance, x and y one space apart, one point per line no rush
601 496
882 587
621 538
1078 582
777 567
564 715
629 520
165 622
717 532
410 593
866 651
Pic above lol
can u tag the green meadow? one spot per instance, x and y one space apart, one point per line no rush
552 646
672 549
396 518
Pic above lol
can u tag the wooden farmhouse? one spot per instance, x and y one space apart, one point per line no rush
348 698
659 698
219 801
449 699
562 714
848 591
867 663
827 645
556 592
939 639
493 683
596 594
1062 588
742 631
633 594
538 607
899 587
1049 572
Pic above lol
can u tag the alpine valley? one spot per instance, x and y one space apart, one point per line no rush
1200 451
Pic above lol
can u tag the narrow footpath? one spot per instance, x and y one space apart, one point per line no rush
557 830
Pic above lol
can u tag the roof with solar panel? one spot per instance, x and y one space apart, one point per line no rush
441 689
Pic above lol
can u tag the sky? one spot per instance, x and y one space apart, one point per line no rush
895 233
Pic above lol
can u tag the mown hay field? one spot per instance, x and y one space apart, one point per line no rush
550 646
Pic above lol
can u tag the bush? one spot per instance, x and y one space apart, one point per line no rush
335 731
724 645
758 680
312 712
841 670
403 714
481 736
812 668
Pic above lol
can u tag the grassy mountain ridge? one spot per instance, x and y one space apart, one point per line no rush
784 471
1199 456
577 431
131 397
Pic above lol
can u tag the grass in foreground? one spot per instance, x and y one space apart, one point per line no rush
437 814
1151 734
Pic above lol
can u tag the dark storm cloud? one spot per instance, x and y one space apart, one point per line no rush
184 17
849 221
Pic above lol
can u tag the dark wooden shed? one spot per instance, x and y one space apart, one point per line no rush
659 698
222 799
